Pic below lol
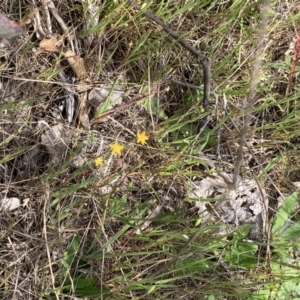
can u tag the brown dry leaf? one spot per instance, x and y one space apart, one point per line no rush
49 44
76 63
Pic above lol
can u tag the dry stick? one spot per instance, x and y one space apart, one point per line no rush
253 86
61 22
192 86
185 44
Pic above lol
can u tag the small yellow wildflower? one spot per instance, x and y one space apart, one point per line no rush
116 148
98 161
142 137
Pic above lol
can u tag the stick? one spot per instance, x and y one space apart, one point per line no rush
185 44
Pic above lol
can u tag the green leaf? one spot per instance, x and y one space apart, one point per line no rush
292 232
242 254
153 107
286 290
84 287
195 265
69 255
243 231
284 213
261 295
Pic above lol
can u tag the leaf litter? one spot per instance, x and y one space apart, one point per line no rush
246 204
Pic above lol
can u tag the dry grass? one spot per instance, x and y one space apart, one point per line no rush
78 221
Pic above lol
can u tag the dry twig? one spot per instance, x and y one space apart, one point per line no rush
185 44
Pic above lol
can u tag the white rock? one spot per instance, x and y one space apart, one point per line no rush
9 204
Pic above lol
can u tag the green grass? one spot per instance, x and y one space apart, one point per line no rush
83 231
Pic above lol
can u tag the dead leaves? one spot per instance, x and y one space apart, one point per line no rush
244 205
49 45
74 60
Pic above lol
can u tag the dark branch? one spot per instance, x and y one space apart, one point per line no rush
185 44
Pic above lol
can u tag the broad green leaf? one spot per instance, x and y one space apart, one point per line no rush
69 255
292 232
195 265
261 295
84 287
284 213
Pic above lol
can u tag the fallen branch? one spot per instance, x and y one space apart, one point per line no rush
185 44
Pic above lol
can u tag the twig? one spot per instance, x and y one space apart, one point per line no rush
61 22
218 151
185 44
70 99
195 87
48 19
253 86
37 23
188 85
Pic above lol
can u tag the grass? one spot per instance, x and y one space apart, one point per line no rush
126 227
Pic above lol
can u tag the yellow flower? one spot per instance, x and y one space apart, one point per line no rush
98 161
142 137
116 148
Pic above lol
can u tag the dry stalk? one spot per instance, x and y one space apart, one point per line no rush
262 31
